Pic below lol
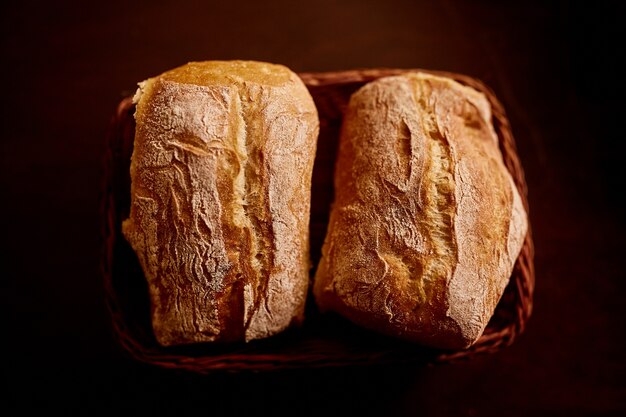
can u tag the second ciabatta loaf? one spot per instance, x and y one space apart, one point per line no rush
427 222
220 197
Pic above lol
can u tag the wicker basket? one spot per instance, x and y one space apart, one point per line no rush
324 340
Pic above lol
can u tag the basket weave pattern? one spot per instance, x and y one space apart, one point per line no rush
324 340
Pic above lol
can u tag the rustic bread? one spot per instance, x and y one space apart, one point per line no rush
427 222
220 198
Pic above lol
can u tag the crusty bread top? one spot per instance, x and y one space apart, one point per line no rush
220 175
427 223
229 72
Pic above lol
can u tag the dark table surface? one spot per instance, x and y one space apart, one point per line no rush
557 67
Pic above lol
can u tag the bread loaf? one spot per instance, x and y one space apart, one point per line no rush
220 198
427 222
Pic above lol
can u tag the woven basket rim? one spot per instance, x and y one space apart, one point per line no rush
522 277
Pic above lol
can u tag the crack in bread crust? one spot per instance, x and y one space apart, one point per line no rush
256 208
438 194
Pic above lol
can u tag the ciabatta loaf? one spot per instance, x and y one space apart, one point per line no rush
427 222
220 197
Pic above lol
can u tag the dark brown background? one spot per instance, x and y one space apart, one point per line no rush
555 65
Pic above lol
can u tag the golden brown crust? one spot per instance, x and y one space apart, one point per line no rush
220 199
427 223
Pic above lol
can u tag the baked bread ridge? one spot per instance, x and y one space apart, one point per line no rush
427 222
220 199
